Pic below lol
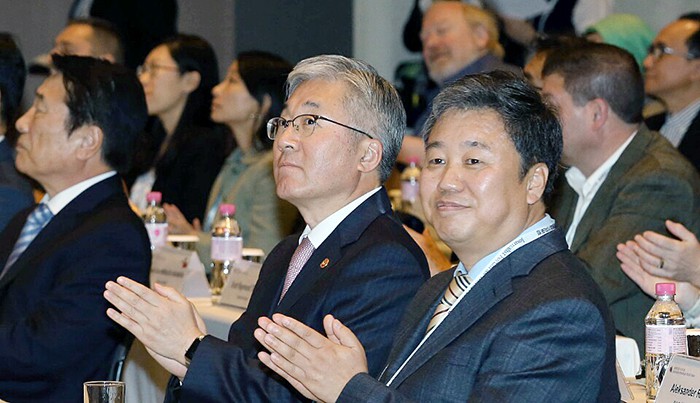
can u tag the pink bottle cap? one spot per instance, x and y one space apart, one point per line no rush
154 196
228 209
414 159
665 288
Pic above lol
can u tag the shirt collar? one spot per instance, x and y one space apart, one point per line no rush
479 266
582 185
319 233
61 199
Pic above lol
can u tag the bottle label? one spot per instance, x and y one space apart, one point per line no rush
157 233
665 339
226 248
409 190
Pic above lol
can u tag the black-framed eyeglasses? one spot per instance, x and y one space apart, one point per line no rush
152 68
305 126
657 50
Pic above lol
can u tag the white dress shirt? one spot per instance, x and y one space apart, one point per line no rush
586 188
319 233
61 199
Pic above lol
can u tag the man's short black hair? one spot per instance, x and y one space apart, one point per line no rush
105 36
597 70
108 96
531 123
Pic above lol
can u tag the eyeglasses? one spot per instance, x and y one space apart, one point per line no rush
152 68
657 50
305 126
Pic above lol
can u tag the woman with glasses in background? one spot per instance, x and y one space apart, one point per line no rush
182 149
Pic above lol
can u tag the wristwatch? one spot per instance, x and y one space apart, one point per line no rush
193 348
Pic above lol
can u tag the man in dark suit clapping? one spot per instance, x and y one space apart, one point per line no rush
55 257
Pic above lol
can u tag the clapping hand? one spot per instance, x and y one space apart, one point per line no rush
162 319
317 366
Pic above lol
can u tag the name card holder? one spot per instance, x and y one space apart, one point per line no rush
239 284
682 381
181 270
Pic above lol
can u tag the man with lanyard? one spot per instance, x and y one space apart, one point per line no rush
519 318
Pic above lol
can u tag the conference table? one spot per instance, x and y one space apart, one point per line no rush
145 379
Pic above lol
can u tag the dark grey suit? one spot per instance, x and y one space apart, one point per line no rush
649 183
535 328
15 190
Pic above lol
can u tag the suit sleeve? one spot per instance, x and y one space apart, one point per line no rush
643 203
554 352
368 295
68 327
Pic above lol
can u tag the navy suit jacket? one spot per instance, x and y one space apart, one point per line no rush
54 333
690 145
535 328
364 273
15 190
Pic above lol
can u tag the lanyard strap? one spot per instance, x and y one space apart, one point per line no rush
538 230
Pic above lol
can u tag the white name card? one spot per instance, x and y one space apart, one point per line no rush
181 270
682 381
239 284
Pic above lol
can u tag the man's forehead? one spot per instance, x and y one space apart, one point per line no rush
315 94
51 89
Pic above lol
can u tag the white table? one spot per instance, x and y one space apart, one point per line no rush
145 379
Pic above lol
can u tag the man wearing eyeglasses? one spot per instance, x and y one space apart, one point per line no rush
673 76
335 144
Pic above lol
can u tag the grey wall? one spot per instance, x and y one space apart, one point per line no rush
294 30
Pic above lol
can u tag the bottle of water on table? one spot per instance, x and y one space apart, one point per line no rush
226 247
155 220
665 336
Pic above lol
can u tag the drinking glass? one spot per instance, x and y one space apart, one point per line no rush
103 392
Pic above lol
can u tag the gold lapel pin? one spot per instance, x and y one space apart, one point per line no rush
324 263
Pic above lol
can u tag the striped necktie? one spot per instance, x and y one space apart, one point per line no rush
36 221
457 286
299 258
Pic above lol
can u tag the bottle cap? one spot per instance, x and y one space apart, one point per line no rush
665 288
228 209
154 196
413 159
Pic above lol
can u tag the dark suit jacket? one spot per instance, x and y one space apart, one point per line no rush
54 333
690 145
648 184
374 269
535 328
15 190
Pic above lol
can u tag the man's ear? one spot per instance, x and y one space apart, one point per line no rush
371 156
89 140
599 111
536 182
481 36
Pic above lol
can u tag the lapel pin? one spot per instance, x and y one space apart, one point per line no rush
324 263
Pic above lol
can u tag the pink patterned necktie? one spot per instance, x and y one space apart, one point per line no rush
299 258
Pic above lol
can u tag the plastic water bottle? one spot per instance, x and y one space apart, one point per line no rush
665 336
409 185
226 247
155 220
